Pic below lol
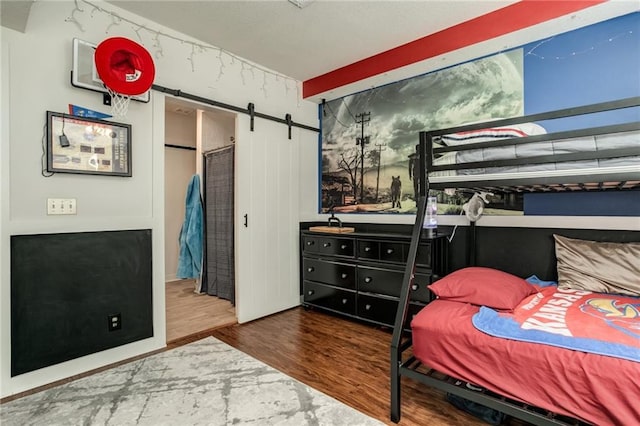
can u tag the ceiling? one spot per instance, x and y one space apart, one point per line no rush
14 14
310 41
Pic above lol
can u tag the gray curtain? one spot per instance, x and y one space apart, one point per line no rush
218 278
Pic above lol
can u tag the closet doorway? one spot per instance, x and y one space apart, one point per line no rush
191 130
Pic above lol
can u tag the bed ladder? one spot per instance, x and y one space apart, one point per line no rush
401 338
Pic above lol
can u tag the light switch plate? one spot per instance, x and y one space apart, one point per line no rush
56 206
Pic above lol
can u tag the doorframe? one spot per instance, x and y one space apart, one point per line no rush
159 111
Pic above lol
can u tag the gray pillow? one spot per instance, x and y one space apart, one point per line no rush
600 267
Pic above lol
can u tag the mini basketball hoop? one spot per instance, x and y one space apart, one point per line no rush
126 69
119 103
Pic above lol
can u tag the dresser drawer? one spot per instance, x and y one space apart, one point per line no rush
419 290
393 252
378 309
330 297
338 274
368 249
384 310
386 251
379 281
328 246
389 283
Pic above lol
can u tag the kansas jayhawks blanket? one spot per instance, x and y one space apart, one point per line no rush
604 324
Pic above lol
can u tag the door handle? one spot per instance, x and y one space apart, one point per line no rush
246 220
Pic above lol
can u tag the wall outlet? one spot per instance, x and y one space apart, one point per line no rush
115 322
61 206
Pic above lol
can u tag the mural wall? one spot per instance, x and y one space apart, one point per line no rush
369 138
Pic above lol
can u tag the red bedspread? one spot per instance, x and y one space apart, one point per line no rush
597 389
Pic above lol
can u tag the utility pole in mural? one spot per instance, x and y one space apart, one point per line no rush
363 140
376 159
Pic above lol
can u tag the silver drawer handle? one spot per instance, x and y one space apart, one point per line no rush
310 292
389 251
310 269
344 276
414 287
343 247
344 301
368 279
310 243
367 307
367 249
326 245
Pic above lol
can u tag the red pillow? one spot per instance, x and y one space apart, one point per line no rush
483 286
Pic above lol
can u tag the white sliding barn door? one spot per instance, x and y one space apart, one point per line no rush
267 265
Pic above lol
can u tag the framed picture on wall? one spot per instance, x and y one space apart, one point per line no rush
87 145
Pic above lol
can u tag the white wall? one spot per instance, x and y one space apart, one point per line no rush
179 166
36 67
215 129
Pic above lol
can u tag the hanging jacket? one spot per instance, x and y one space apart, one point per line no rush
192 233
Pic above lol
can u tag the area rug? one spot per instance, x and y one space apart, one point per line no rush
203 383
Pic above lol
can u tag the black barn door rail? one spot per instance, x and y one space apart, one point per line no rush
250 110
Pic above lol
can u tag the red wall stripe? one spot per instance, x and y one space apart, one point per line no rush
494 24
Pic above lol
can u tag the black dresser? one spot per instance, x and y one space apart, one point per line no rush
360 274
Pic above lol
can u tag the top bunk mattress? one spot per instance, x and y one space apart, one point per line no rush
594 388
595 156
519 151
531 151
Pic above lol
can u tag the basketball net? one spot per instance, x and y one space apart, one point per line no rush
119 104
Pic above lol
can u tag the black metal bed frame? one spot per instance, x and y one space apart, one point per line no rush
403 363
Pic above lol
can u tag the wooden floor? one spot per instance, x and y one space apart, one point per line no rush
344 359
189 312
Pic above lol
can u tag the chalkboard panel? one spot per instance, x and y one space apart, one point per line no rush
66 288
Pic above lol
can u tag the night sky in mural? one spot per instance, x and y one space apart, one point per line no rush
597 63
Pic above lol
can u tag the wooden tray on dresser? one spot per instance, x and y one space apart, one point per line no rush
332 229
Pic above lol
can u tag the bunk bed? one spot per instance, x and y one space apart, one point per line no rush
443 349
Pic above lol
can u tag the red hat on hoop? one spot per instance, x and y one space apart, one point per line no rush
124 66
